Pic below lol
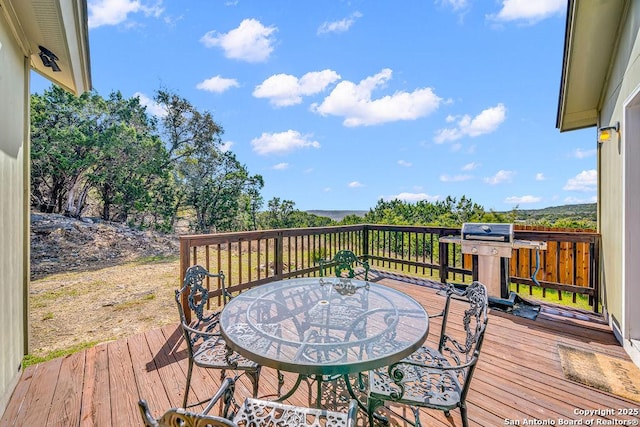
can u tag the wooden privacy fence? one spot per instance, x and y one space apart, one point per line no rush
248 259
570 259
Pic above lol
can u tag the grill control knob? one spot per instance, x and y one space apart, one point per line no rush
494 251
474 250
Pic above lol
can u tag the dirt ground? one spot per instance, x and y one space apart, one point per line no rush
94 282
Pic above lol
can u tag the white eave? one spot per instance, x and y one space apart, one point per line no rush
59 26
591 37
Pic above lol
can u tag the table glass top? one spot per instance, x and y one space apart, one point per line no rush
324 326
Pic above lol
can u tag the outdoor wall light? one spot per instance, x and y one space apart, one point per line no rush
48 58
607 133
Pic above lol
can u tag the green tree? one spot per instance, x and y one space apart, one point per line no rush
352 220
216 184
250 204
130 160
190 136
278 214
63 149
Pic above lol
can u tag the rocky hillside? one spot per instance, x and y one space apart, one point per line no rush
60 244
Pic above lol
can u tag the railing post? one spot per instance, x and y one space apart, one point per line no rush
365 242
279 248
594 278
443 260
185 262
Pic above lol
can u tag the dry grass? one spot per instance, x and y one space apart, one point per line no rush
70 311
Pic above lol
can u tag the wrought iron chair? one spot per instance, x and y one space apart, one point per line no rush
205 345
180 417
436 379
345 262
252 413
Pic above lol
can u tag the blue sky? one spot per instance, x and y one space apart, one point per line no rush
338 104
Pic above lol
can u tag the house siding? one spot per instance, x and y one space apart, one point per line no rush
624 80
13 216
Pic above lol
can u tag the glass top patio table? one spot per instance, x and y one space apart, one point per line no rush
324 326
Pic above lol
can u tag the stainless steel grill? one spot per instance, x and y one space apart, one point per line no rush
487 232
487 239
491 242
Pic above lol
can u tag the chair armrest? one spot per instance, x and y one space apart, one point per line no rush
352 413
204 333
149 421
226 390
396 366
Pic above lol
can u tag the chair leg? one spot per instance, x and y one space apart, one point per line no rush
188 386
254 376
372 405
416 415
280 382
463 413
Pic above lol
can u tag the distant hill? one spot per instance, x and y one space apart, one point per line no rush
585 211
337 215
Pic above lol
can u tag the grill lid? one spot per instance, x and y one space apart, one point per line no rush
487 232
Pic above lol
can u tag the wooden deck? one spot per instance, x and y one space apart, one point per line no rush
518 381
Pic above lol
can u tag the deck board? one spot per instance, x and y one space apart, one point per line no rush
96 406
146 378
65 407
518 377
36 406
124 391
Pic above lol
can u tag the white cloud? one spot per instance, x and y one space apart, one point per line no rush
283 142
217 84
114 12
455 4
355 184
518 200
500 177
585 181
576 200
455 178
486 122
354 102
404 163
581 154
153 108
284 89
540 176
281 166
528 10
470 166
339 26
250 42
226 146
412 197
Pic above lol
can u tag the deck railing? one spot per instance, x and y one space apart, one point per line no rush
569 265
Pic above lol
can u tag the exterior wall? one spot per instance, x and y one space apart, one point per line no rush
624 80
14 265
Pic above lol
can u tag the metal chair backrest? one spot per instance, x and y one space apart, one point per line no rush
474 322
198 294
463 350
178 417
345 262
